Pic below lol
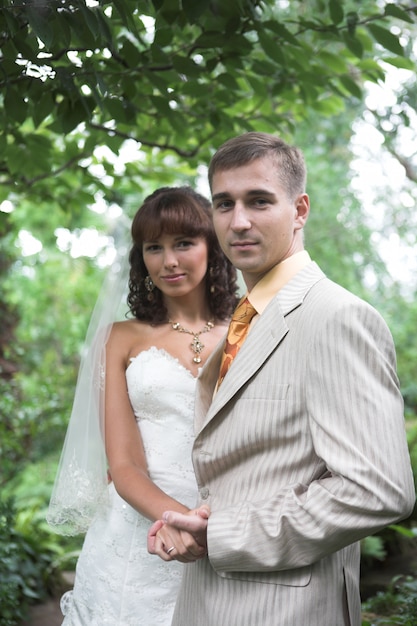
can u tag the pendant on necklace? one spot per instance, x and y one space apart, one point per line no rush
196 345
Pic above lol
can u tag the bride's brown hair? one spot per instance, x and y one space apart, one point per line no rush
172 210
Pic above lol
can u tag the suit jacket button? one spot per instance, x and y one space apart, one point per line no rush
204 493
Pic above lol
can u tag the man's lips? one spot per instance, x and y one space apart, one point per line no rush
242 244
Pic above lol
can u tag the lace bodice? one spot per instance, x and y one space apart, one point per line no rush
161 392
117 582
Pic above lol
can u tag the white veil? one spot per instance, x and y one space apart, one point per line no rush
81 482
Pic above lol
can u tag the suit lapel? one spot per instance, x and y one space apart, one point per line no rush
263 338
206 383
268 331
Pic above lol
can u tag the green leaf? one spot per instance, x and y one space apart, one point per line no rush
161 105
13 25
175 121
402 530
351 86
63 34
81 35
282 31
271 48
8 66
8 53
104 28
236 42
91 20
371 70
171 10
228 81
14 105
38 144
353 44
157 80
70 114
386 39
14 159
157 4
332 105
42 24
130 54
116 109
258 86
163 37
335 62
297 58
401 62
186 66
194 10
210 39
394 10
125 15
44 107
336 11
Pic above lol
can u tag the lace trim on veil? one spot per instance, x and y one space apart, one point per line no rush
81 482
84 493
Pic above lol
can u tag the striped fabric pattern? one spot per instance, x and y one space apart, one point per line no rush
301 453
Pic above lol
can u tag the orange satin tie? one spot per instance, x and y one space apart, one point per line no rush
236 335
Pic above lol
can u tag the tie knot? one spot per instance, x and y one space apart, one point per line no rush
244 312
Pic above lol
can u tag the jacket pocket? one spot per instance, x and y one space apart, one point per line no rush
299 577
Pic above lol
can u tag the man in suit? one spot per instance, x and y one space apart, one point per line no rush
300 451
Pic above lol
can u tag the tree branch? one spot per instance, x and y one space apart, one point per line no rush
150 144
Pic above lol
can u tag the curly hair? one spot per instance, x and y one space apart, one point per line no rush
172 210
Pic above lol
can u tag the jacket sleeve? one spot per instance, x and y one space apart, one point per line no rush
354 417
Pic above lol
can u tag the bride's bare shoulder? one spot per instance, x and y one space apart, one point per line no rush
129 337
129 327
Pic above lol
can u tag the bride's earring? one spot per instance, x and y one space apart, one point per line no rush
212 278
149 286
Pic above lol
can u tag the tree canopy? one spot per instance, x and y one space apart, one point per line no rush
178 76
101 102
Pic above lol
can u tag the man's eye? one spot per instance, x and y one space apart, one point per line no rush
224 206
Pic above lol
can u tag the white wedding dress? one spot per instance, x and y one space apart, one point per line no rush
118 583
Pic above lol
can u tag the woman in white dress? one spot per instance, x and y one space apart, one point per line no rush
182 290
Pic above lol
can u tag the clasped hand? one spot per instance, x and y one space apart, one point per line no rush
183 535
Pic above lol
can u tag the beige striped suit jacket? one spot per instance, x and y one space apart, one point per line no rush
301 453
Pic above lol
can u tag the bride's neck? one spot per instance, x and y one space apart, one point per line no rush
190 318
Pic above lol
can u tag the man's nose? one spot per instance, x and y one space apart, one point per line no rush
240 220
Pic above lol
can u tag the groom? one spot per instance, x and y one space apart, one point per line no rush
300 451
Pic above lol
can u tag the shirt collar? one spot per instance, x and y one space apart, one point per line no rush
276 278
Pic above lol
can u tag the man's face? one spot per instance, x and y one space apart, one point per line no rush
257 224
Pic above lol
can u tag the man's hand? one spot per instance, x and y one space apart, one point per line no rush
179 536
193 523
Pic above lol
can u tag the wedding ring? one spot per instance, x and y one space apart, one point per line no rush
170 549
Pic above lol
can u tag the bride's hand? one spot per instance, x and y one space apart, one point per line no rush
182 537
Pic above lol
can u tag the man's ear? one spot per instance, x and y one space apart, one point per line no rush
302 206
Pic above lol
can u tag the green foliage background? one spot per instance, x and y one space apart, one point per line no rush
101 102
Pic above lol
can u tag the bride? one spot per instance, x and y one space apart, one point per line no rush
182 290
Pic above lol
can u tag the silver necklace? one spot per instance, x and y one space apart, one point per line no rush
196 345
